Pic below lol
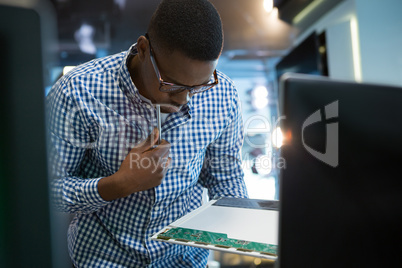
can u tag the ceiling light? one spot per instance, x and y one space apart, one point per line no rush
274 14
84 37
260 92
268 5
259 97
259 103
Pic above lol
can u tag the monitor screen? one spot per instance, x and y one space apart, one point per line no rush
25 236
341 190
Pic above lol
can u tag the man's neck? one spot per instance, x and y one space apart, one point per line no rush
135 73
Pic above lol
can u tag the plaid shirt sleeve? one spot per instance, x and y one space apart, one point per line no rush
222 172
69 142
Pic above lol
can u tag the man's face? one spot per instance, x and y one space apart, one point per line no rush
174 68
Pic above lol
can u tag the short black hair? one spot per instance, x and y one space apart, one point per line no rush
193 27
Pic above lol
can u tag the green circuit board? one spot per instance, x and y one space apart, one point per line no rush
216 239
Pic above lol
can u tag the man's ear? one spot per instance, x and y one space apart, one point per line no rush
142 47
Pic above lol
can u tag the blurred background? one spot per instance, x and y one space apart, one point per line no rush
356 40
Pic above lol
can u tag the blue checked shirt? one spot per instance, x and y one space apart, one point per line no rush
96 116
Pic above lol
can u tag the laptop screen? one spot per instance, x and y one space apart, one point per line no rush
341 190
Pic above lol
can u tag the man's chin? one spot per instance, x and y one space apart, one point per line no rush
168 109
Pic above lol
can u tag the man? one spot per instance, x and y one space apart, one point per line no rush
110 170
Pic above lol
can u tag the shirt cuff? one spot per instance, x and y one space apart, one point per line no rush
89 191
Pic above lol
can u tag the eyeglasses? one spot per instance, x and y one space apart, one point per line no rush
175 88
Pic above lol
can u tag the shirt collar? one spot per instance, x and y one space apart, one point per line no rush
126 84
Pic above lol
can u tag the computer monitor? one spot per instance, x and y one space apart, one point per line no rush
341 189
25 235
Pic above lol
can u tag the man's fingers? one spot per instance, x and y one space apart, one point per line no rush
169 160
165 164
161 150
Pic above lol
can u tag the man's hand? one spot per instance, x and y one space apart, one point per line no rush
143 168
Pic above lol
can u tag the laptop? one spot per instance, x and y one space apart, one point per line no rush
232 225
341 190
